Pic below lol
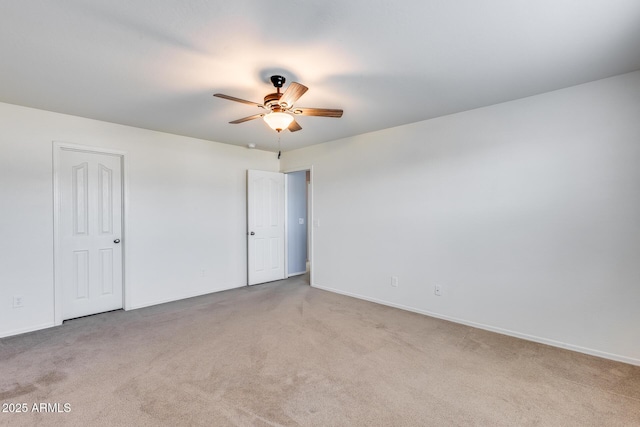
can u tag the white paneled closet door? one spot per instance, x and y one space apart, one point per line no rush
90 232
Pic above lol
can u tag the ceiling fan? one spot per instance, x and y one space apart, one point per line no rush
280 109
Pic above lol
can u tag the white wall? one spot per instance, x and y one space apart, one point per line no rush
527 212
296 232
186 211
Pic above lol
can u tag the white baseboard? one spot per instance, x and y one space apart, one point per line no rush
26 330
553 343
132 307
184 296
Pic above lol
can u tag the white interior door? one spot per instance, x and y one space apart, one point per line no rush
265 209
90 192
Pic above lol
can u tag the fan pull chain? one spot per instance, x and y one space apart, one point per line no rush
279 147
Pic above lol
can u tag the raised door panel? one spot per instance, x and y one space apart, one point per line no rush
80 201
105 200
106 271
81 274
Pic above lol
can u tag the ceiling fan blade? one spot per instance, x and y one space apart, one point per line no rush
321 112
292 94
233 98
294 126
246 119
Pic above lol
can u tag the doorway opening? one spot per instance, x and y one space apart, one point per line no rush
298 211
279 238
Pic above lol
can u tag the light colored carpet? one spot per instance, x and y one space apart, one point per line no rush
284 353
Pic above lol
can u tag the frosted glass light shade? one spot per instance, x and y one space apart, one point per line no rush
278 121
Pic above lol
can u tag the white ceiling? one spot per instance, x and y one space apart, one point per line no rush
156 63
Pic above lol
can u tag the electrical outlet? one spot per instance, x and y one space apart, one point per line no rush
203 272
18 301
394 281
438 290
301 221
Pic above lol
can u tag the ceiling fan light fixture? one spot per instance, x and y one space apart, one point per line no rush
278 121
280 113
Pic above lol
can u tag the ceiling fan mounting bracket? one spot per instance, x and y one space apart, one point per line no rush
278 81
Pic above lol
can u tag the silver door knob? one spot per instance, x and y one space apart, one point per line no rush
116 241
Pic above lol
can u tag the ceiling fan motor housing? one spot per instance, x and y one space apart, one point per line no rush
272 101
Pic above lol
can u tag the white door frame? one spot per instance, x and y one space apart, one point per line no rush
309 221
58 147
